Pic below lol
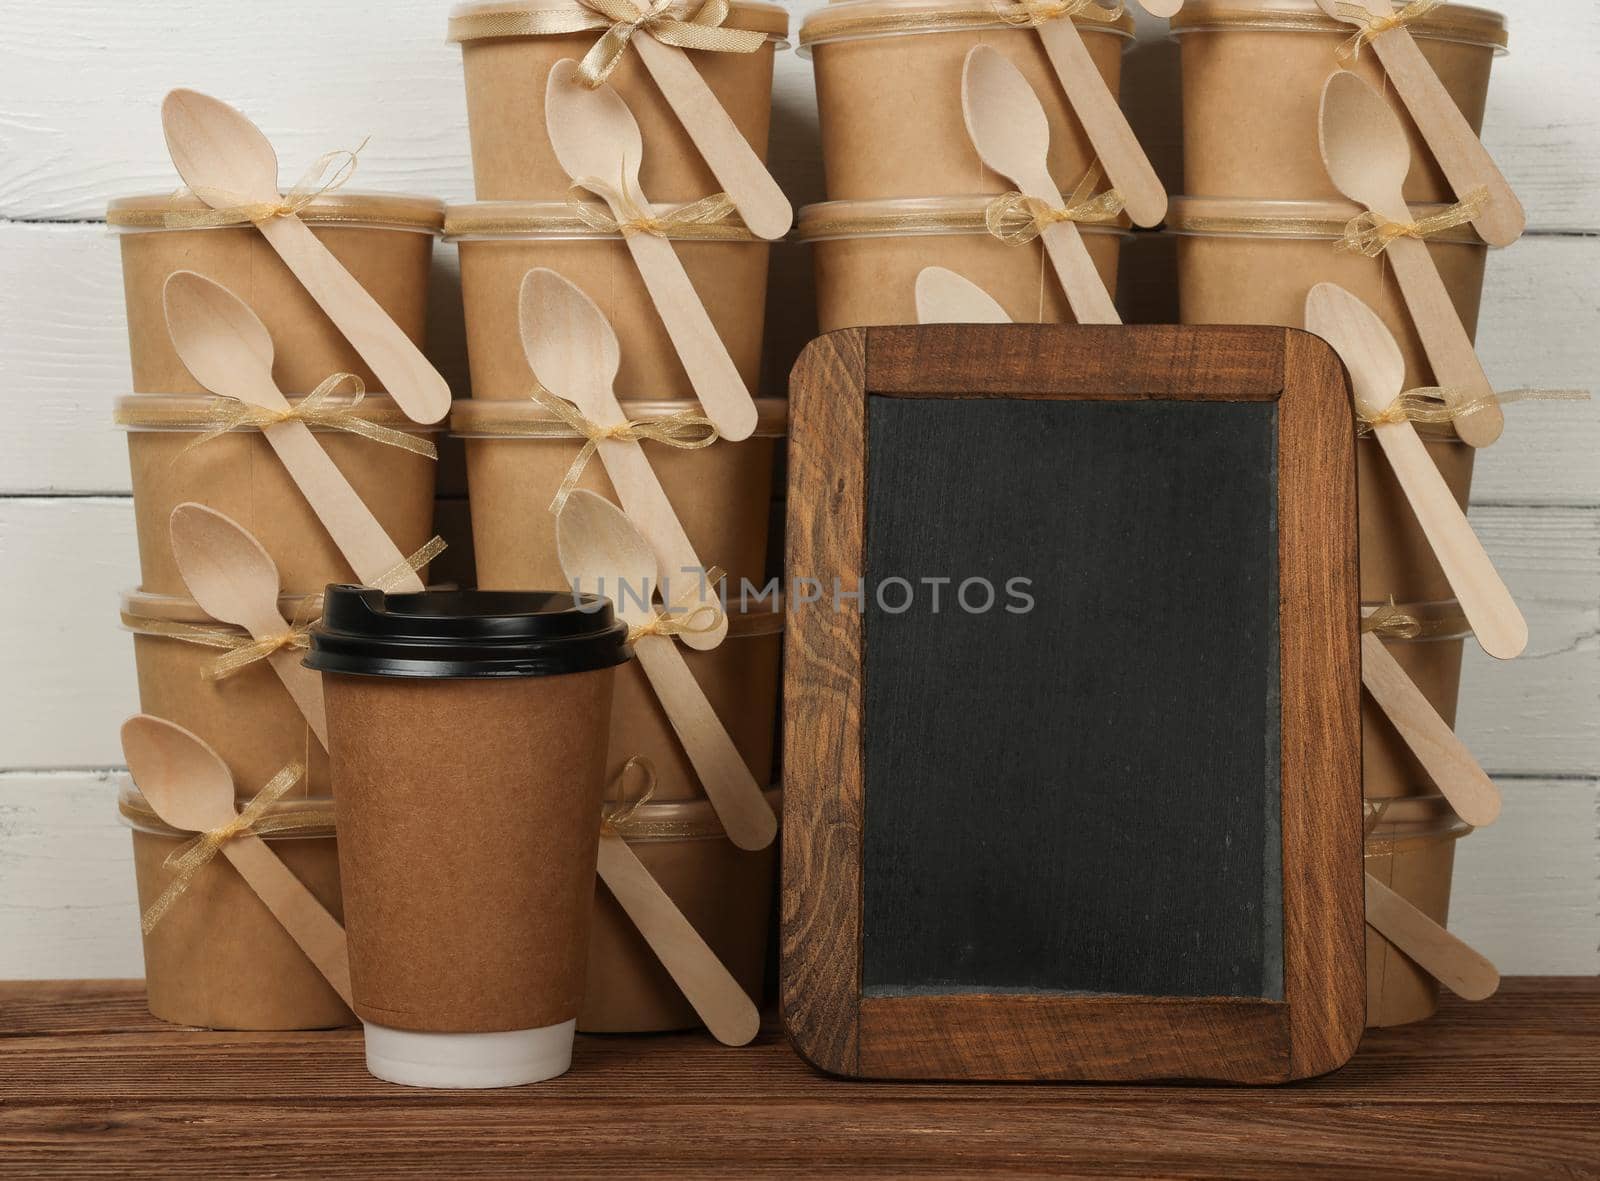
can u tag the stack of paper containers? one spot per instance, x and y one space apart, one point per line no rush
614 271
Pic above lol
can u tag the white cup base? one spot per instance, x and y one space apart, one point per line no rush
469 1060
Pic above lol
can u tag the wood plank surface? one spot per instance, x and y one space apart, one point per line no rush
1507 1088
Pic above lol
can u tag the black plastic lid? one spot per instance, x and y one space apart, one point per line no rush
365 632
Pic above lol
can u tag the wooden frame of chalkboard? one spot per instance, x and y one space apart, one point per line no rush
840 1026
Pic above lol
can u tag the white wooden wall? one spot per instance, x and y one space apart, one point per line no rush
79 94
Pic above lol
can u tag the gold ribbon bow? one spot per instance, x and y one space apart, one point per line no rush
1016 218
1038 12
330 172
1389 622
614 820
313 410
671 622
187 862
682 23
717 209
684 430
1374 25
1370 233
1432 405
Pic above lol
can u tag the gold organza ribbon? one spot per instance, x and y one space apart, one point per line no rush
1370 233
1038 12
1374 25
1016 218
330 172
186 862
684 430
242 650
1431 405
314 410
715 210
614 820
687 24
1416 622
695 621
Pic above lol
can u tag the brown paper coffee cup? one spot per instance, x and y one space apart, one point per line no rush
239 475
724 892
1412 851
218 959
888 79
1432 660
518 456
499 244
1253 73
248 718
1253 262
468 767
868 254
740 678
385 242
506 76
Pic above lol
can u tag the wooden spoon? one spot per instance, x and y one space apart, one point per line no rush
1162 8
1460 153
229 351
726 152
703 979
1103 122
595 137
1443 756
1377 372
1367 156
234 579
189 787
226 161
1012 135
944 297
599 548
574 353
1444 957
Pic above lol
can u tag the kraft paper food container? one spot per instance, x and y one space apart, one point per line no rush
740 678
467 734
1253 262
1432 659
218 959
867 255
724 892
1253 73
507 65
248 718
518 454
1411 848
501 242
888 76
237 473
385 241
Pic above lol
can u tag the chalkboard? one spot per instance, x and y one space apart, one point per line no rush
1147 737
1072 762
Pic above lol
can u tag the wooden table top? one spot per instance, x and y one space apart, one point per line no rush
90 1082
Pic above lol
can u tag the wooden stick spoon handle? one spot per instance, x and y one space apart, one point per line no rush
308 922
1104 123
305 687
733 791
711 370
707 985
726 152
1462 157
370 551
1454 361
1487 604
645 501
1085 289
401 369
1447 959
1443 756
